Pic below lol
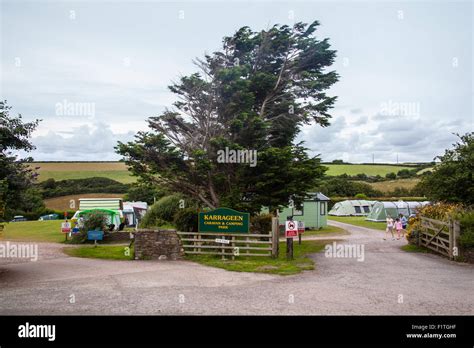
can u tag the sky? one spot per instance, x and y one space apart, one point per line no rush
95 71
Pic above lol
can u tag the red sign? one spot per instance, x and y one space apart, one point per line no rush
66 227
291 229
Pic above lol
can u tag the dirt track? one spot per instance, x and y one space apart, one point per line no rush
427 283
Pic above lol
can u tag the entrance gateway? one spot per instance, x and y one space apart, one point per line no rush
226 232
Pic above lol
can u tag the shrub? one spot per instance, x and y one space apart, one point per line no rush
466 219
261 223
92 221
161 212
51 188
186 220
360 196
391 176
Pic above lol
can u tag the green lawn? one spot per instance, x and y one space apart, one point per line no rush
369 169
110 252
328 230
359 221
257 264
33 231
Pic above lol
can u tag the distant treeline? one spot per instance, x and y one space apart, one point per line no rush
51 188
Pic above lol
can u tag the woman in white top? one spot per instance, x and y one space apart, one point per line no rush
389 228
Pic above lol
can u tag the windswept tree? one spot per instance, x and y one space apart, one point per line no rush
254 94
452 179
16 177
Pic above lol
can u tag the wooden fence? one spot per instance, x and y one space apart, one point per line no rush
231 244
440 236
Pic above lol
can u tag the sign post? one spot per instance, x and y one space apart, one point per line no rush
65 227
300 230
291 231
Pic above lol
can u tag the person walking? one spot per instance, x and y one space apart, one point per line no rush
389 227
404 221
398 227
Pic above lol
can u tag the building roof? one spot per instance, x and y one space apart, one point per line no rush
318 196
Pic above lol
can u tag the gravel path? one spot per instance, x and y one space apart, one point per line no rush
388 281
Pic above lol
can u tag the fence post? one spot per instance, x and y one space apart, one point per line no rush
451 243
456 233
275 237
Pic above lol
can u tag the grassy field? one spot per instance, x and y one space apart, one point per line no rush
110 252
328 230
33 231
281 266
80 170
369 169
390 185
64 202
358 221
118 170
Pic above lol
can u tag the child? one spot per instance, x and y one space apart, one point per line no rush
398 227
389 226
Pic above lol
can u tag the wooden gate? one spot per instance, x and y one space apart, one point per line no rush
439 236
229 244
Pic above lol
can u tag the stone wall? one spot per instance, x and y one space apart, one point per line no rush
157 244
117 236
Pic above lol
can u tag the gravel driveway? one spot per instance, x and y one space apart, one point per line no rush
388 281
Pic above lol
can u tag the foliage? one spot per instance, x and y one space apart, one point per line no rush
360 196
340 186
466 219
51 188
186 219
14 171
92 221
391 176
143 192
261 223
452 179
254 94
162 211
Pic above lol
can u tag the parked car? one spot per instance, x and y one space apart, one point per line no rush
18 218
49 217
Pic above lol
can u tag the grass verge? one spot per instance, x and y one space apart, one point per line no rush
359 221
109 252
281 265
412 248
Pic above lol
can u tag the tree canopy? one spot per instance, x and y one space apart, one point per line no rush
254 94
451 179
16 177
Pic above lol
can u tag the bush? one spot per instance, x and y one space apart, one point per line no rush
261 223
360 196
391 176
466 219
92 221
161 212
186 220
51 188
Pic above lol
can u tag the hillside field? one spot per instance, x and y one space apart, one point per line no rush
80 170
118 171
368 169
63 203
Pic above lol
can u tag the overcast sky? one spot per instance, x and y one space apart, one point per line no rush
406 77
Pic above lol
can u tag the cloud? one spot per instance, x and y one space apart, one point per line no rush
87 143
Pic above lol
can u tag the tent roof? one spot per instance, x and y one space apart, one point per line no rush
318 196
